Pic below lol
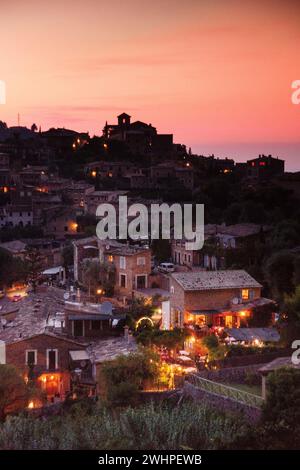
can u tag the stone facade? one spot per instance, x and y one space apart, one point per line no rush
54 380
132 263
132 272
15 352
212 304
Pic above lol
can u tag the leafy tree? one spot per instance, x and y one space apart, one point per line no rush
67 256
216 351
11 269
13 390
125 375
296 278
232 214
261 316
292 306
279 428
161 249
286 234
253 212
33 266
170 339
91 274
140 307
96 274
210 342
15 233
279 274
281 411
107 278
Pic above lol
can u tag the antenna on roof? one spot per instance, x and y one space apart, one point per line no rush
18 119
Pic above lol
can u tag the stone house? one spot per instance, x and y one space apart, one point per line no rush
212 298
131 263
43 357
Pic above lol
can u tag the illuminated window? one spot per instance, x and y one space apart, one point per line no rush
245 294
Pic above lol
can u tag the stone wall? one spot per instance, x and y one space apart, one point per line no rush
249 360
221 403
233 374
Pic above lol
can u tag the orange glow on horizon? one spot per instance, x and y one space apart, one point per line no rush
216 74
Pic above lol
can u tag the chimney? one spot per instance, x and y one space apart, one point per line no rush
126 333
2 352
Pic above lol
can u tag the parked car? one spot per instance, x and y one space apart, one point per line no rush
16 298
166 267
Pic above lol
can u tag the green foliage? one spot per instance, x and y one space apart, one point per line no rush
279 272
15 233
124 376
283 397
123 393
280 425
152 426
216 351
96 274
12 269
33 265
140 307
210 342
170 339
68 256
91 275
286 235
261 316
292 306
161 249
13 390
234 350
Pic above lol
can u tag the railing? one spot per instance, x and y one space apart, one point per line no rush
235 394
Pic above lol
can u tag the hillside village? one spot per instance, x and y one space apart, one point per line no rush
71 304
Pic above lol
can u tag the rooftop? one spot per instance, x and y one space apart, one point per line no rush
243 230
110 348
32 318
14 246
251 334
236 230
213 280
277 364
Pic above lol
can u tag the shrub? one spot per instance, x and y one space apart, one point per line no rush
124 376
210 342
151 426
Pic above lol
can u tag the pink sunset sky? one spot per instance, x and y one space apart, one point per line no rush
216 73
